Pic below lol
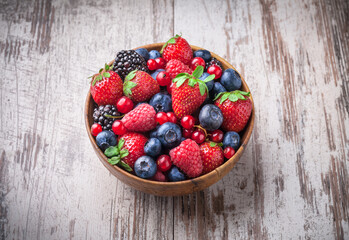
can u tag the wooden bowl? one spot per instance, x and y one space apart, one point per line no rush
171 188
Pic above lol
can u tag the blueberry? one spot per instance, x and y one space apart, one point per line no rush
208 84
169 135
161 102
154 133
152 147
145 167
208 100
217 88
210 117
155 74
231 80
174 175
143 52
231 139
106 139
204 54
154 54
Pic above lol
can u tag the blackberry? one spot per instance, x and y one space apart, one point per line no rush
127 61
213 61
99 116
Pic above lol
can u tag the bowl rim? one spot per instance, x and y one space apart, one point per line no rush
216 171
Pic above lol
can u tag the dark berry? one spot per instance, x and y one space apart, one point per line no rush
143 52
231 80
188 122
228 152
145 167
208 84
124 105
119 128
231 139
101 113
175 175
152 147
169 135
95 129
213 61
161 102
153 54
210 117
127 61
106 139
204 54
164 163
154 133
217 88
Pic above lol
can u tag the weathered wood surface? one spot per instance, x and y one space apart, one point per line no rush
291 183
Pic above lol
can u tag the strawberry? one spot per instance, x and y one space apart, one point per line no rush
140 86
134 144
174 67
212 156
187 157
140 119
177 48
189 92
106 87
236 108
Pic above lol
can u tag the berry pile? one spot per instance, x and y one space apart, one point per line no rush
182 112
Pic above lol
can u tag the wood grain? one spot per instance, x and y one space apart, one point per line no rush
291 182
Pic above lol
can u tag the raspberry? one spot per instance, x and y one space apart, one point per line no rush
187 157
140 119
175 67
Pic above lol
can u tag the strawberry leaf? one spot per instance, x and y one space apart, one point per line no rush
180 82
100 70
198 71
218 96
124 153
224 97
121 143
213 144
202 88
106 75
191 82
209 78
114 160
131 75
171 41
243 93
111 151
106 67
240 96
125 166
128 85
233 97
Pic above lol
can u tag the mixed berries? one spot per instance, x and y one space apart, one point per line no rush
170 115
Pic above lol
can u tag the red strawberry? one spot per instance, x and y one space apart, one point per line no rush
134 144
177 48
106 87
140 119
236 108
174 67
212 156
188 92
187 157
140 86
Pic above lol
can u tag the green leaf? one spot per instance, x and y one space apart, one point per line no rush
171 41
203 88
124 153
209 78
106 75
233 97
180 82
106 67
111 151
110 116
180 78
224 97
192 82
240 96
218 96
125 166
244 93
220 144
198 71
128 85
131 75
121 143
114 160
213 144
94 81
100 70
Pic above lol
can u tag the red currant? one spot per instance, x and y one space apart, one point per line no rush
169 88
216 136
228 152
198 137
124 105
161 118
163 78
161 62
171 117
216 70
196 62
164 163
187 132
188 122
152 64
118 128
95 129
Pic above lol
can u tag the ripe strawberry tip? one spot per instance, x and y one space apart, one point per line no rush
171 41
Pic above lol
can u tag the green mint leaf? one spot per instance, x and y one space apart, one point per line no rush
202 88
224 97
198 71
111 151
94 81
100 70
125 166
124 153
131 75
213 144
191 82
121 143
106 75
233 97
106 67
209 78
180 82
114 160
218 95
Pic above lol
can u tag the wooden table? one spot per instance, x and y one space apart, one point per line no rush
292 181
